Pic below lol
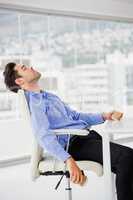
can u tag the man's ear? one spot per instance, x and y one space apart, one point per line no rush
19 81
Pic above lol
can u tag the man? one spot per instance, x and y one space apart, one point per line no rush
49 112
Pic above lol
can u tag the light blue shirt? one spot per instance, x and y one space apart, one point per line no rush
49 112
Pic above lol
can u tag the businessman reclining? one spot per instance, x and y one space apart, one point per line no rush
49 112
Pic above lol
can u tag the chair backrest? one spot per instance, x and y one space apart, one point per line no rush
36 150
24 109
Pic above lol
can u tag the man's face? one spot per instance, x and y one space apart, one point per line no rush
28 73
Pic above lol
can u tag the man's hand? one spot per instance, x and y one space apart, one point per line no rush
76 175
114 115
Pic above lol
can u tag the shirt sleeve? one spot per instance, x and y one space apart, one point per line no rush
46 137
89 118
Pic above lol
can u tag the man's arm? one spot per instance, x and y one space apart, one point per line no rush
93 118
89 118
46 138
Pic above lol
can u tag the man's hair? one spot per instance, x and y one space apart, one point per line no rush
10 74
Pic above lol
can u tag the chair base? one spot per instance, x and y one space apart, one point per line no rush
68 189
67 174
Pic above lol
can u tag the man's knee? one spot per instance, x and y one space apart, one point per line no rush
96 135
128 152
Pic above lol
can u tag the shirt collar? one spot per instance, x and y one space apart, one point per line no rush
36 93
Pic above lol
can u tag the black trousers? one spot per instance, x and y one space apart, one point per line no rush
90 148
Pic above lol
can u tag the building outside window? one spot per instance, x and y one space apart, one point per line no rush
86 62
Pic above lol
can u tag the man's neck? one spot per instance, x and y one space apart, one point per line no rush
33 88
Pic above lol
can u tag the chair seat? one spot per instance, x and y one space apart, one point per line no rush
48 163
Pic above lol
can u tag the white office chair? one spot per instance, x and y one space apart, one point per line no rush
44 164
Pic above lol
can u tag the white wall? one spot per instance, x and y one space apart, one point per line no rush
15 139
119 8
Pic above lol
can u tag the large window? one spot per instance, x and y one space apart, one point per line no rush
86 62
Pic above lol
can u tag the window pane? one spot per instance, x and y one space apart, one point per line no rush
89 63
129 82
34 39
61 40
9 52
9 34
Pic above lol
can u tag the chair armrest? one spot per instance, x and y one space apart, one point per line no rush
82 132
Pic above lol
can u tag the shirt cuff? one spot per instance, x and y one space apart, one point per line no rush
99 118
64 156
